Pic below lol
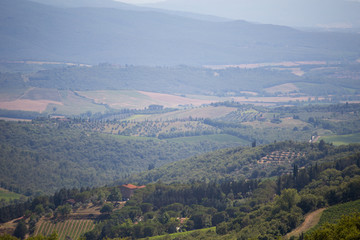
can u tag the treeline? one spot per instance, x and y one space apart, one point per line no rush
126 113
185 134
20 114
189 80
313 108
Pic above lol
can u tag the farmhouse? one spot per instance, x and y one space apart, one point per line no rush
127 190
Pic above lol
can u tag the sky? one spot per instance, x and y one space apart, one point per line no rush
296 13
140 1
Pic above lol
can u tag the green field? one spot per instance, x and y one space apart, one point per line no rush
195 234
342 139
74 105
220 138
8 196
118 99
122 137
68 228
333 214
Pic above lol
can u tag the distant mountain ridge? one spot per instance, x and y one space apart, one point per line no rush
124 6
33 31
304 13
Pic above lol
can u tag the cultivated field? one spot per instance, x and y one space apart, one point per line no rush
140 99
283 88
7 195
342 139
202 112
68 228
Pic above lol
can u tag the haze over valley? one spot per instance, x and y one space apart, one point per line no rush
179 119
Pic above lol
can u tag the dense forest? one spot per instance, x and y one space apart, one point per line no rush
245 163
46 155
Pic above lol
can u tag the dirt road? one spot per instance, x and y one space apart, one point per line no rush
310 221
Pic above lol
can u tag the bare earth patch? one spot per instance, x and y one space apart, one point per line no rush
311 220
28 105
173 100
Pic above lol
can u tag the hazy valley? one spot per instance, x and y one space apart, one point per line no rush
121 121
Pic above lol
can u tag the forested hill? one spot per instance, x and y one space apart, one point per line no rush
48 155
266 208
95 35
246 163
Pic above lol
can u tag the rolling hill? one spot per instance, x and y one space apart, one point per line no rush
48 155
305 13
35 31
243 163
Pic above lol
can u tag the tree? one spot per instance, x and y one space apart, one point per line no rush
322 145
115 195
39 209
288 199
64 210
107 209
221 228
21 230
146 207
164 218
295 171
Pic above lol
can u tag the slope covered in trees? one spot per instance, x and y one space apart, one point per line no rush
263 208
48 155
246 163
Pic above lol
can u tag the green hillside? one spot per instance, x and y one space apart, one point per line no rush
342 139
244 163
6 196
224 208
48 155
335 213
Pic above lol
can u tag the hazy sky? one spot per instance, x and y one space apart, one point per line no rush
139 1
301 13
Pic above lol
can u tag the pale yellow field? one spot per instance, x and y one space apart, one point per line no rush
283 88
28 105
